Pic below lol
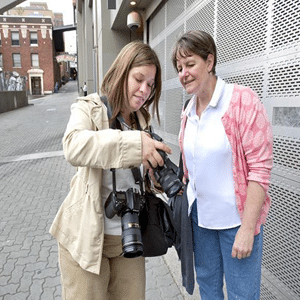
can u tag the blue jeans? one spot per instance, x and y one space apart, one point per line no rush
212 250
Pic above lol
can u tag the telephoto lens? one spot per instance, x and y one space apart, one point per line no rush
131 232
131 236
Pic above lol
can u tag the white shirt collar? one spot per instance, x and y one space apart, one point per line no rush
217 95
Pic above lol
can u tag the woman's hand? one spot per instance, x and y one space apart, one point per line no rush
244 239
243 243
151 158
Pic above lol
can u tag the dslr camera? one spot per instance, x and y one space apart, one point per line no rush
166 175
127 205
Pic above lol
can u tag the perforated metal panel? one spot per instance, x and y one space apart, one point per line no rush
252 78
203 19
241 29
285 24
158 25
170 42
287 153
284 78
281 254
174 107
258 45
174 9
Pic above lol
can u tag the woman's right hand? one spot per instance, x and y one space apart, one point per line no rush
151 158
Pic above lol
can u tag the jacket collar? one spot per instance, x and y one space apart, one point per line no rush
99 112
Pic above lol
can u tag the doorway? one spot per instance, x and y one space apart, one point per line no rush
36 85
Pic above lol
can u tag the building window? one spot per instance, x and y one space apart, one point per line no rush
16 60
1 60
33 38
15 38
35 60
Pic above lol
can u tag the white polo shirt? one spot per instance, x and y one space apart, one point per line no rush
209 162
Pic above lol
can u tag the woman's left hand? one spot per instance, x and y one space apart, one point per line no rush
243 243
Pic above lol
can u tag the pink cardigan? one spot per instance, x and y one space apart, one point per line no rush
250 135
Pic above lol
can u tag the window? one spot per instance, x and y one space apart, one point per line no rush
34 60
17 60
33 38
1 60
15 39
0 39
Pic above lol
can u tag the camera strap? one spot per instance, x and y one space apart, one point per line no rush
136 172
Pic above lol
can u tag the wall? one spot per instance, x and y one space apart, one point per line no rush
12 100
258 46
98 44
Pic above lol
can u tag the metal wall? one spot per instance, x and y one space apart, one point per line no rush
258 44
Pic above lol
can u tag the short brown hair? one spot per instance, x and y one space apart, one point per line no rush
115 82
195 42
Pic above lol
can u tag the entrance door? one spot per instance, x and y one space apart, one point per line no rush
36 85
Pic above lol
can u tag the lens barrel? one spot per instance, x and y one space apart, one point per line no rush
131 235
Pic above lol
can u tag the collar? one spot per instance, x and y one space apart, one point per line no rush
217 95
218 92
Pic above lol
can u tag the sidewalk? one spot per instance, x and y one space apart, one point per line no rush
34 180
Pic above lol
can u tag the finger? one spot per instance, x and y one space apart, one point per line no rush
158 158
233 253
240 255
248 255
162 146
146 164
152 162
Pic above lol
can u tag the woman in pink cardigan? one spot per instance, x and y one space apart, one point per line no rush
226 144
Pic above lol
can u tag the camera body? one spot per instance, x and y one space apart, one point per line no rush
166 175
127 205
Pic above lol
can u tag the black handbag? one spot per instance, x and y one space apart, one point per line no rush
157 226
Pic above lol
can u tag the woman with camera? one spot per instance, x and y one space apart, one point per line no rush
226 144
90 247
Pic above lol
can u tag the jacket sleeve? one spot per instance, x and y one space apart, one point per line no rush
257 139
95 145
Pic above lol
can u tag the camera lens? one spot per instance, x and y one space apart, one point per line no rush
167 177
169 182
131 235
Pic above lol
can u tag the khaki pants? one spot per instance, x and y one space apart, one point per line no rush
119 279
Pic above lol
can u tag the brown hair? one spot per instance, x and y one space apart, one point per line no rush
195 42
115 82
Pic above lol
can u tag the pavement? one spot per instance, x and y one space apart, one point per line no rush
34 180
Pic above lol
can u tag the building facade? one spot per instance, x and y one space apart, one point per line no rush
38 9
26 51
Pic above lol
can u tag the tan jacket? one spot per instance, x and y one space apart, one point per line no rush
91 146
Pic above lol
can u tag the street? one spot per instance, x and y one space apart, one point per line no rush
34 180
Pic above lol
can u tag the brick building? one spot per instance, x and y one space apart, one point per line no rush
26 49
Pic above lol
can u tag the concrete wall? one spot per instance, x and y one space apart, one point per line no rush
12 100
